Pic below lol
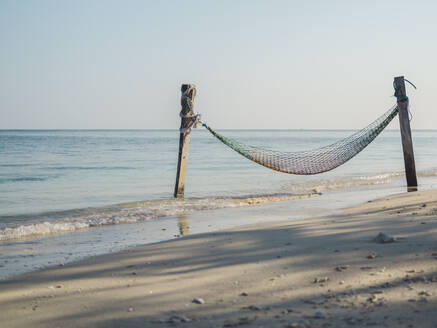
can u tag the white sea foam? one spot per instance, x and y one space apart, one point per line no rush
138 211
153 209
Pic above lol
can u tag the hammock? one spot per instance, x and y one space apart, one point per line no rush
313 161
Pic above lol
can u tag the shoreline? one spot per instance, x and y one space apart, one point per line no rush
320 272
19 256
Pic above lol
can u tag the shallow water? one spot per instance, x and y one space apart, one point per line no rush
92 192
30 254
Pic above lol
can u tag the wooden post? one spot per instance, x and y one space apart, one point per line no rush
188 118
407 142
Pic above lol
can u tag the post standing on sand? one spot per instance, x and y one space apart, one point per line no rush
188 120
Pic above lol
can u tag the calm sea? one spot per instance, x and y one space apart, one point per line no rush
73 180
78 178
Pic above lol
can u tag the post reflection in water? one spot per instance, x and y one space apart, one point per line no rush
184 229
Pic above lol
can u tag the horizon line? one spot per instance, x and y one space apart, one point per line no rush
176 129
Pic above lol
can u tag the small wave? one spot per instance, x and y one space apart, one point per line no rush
39 229
343 183
61 168
23 179
138 211
427 174
16 165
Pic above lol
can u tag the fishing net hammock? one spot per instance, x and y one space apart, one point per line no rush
312 161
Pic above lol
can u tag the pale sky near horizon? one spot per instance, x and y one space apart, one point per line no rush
256 64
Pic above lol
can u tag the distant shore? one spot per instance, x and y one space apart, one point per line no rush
321 272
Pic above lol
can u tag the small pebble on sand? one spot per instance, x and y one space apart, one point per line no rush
320 279
198 301
384 238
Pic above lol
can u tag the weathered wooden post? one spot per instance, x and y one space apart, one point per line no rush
188 119
407 142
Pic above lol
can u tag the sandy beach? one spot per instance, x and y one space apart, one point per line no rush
321 272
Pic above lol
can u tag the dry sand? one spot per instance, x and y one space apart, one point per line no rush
324 272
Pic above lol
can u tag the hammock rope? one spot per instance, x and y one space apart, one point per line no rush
312 161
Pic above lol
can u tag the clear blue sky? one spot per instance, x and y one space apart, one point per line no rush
256 64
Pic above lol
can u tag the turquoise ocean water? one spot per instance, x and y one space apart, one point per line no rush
73 181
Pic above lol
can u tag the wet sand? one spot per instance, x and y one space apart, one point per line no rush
320 272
